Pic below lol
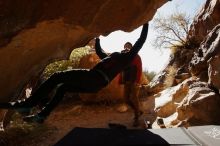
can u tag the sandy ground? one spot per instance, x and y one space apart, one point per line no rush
68 115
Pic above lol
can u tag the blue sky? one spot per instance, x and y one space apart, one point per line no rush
152 59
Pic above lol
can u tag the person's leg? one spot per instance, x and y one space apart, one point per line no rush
41 116
78 81
44 89
135 103
85 81
126 93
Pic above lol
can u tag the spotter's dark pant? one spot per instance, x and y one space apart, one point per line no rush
131 93
79 80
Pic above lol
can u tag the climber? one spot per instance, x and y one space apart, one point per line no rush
78 80
130 77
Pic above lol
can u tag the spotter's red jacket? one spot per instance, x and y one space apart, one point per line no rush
133 72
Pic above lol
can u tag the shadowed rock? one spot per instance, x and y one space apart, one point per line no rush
33 35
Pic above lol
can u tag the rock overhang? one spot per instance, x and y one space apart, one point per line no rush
34 33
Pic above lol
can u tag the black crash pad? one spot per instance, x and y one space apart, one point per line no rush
118 135
110 137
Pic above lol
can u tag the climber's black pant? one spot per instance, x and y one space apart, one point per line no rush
81 81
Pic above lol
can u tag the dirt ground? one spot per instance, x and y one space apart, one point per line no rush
68 115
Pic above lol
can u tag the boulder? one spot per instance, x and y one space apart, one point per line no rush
35 33
157 83
214 72
192 102
167 100
205 21
200 106
175 71
208 48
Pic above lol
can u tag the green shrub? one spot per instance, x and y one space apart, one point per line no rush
77 54
72 62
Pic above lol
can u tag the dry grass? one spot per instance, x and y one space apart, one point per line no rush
170 76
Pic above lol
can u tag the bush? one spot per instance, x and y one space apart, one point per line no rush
149 75
72 62
172 30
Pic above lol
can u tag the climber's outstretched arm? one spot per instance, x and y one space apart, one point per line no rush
139 43
99 51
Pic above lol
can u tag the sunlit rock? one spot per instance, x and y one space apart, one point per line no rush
193 99
168 122
174 73
122 108
192 102
205 21
157 83
200 106
182 100
208 49
168 100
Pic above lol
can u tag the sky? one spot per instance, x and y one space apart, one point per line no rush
152 59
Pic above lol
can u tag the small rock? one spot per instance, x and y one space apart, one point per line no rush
122 108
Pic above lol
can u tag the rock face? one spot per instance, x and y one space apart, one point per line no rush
192 102
114 91
175 72
208 49
205 21
193 95
213 72
200 105
34 35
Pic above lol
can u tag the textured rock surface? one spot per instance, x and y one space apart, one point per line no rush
157 83
167 100
214 72
205 21
200 106
208 49
175 72
191 101
198 97
34 35
113 92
